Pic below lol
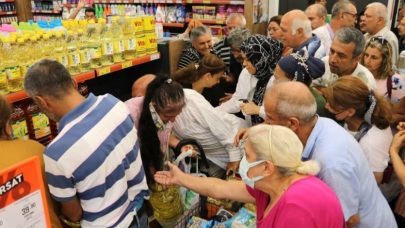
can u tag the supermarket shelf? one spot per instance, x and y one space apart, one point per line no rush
126 64
22 95
6 0
46 11
139 1
216 2
176 25
75 5
205 21
8 13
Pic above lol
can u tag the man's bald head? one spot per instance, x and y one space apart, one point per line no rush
139 87
291 99
317 14
296 28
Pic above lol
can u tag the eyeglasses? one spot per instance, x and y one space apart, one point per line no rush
379 39
355 16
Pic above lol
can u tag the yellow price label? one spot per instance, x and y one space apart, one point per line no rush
104 71
126 64
189 1
220 22
206 2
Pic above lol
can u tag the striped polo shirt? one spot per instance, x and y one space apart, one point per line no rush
223 51
96 158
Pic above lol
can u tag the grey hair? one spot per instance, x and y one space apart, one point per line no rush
282 147
348 35
380 10
199 31
322 11
48 78
305 24
237 36
235 15
340 7
290 104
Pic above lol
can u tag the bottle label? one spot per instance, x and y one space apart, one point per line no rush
107 49
3 75
41 125
20 130
85 57
130 45
24 69
74 59
95 52
13 72
63 60
119 46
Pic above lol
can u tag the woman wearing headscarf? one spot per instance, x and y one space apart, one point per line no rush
303 68
260 56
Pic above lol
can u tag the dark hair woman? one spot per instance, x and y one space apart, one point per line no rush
367 117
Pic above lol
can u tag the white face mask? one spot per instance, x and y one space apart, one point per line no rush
244 168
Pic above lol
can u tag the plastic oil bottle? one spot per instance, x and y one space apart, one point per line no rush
36 50
128 29
60 50
93 44
37 122
15 81
3 77
83 51
48 47
118 41
73 54
24 56
107 47
19 123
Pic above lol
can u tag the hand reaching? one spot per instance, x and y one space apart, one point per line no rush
227 97
241 135
185 148
232 167
250 108
81 4
397 142
168 177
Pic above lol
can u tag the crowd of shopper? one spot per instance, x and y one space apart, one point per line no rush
323 108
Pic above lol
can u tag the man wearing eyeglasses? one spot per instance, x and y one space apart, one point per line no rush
375 24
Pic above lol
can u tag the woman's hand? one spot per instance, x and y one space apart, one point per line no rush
187 147
397 142
242 135
232 167
227 97
169 177
401 126
250 108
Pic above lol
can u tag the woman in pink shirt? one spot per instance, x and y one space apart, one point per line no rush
275 178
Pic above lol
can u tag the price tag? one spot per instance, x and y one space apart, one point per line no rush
9 12
126 64
154 57
23 201
220 22
143 1
169 1
206 2
126 1
189 1
104 71
2 0
237 3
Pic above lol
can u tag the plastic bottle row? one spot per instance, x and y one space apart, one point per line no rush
55 5
7 7
46 17
8 19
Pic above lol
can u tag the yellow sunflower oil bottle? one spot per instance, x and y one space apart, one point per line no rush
83 51
60 50
118 41
15 81
107 47
73 54
128 29
3 77
24 56
48 47
93 44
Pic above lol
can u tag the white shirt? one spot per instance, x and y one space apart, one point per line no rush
329 77
324 35
244 90
392 39
376 144
212 128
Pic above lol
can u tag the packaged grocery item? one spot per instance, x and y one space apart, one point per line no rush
19 123
196 222
151 44
159 14
216 31
181 13
171 15
140 47
166 204
244 219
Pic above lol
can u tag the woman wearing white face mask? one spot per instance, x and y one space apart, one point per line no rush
275 179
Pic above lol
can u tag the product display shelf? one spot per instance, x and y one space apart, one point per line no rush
176 25
6 1
75 5
47 11
8 13
22 95
139 1
119 66
215 2
205 21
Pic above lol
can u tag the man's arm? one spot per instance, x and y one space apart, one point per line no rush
80 6
72 210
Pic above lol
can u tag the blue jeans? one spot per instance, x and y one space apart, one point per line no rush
143 221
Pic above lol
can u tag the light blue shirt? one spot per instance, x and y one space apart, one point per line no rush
345 169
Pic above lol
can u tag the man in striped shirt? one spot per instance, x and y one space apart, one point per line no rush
93 166
222 47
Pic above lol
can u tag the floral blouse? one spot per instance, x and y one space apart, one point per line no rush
398 90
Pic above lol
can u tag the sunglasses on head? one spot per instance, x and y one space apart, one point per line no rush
379 39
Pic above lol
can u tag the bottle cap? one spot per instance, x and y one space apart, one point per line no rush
20 40
70 32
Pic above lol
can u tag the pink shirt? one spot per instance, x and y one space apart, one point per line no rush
398 90
307 203
135 108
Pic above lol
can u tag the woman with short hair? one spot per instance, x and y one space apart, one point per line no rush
275 179
367 117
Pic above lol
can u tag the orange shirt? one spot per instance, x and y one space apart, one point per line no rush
13 152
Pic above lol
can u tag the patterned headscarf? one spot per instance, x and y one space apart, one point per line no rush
300 65
366 125
264 53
